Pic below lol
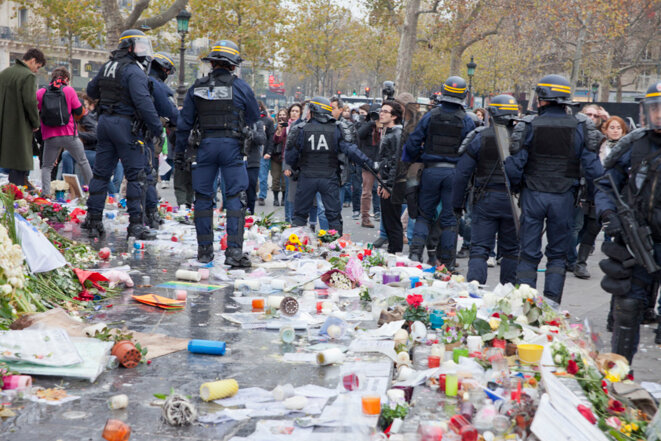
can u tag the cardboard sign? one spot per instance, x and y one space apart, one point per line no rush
75 190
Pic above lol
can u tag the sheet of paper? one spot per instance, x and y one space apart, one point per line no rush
386 331
385 347
46 347
247 395
369 369
314 407
314 391
300 357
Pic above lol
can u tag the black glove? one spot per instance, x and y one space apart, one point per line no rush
374 166
611 222
458 212
180 160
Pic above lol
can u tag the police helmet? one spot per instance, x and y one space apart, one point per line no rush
225 50
164 61
137 43
388 89
435 98
652 107
321 108
503 107
454 90
554 88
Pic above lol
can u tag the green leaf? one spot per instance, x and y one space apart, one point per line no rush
481 326
161 396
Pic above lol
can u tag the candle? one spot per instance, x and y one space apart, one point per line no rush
459 352
438 350
278 284
371 404
17 382
118 402
116 430
280 393
433 361
436 320
193 276
247 283
353 381
204 273
287 334
258 303
274 301
218 389
451 385
210 347
180 294
330 356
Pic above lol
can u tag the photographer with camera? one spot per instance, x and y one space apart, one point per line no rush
274 152
369 137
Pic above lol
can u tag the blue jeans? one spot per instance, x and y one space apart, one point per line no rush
288 205
577 226
356 179
321 214
264 168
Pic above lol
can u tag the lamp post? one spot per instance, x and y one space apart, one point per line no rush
470 67
595 89
182 27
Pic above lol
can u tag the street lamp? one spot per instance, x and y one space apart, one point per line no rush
471 71
182 27
595 89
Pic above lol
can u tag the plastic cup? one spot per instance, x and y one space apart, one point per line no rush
433 361
371 405
116 430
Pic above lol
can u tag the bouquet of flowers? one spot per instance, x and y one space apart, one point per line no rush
294 244
59 186
415 311
328 236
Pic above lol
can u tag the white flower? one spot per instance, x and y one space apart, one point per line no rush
521 320
557 358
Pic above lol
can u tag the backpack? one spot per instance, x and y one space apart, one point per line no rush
54 107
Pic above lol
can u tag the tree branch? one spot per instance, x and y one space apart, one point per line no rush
433 10
165 16
135 14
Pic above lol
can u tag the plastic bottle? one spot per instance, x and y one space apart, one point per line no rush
209 347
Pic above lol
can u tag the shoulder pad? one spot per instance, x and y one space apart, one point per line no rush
469 138
623 146
583 118
593 137
519 132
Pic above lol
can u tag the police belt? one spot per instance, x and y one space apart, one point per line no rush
221 134
440 165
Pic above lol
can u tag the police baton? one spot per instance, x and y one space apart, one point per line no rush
378 179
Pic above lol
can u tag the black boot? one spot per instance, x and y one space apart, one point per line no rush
235 258
205 253
431 258
380 241
313 227
94 224
609 319
154 219
138 230
463 253
276 199
415 252
581 266
657 338
627 313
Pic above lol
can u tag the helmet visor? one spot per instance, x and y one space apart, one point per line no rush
652 110
142 47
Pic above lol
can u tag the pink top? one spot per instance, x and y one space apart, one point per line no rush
72 102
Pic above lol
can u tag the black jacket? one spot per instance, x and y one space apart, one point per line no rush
254 146
365 131
87 130
390 153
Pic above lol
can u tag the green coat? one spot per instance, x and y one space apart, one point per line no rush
18 116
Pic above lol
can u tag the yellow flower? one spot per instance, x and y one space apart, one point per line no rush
634 426
321 233
293 238
494 322
612 378
290 248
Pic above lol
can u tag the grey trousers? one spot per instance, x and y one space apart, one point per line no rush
71 144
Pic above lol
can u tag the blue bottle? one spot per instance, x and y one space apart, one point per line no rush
210 347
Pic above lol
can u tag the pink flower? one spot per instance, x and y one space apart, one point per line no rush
614 422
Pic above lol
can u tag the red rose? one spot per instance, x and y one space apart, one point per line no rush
414 300
572 367
615 406
587 413
360 256
368 252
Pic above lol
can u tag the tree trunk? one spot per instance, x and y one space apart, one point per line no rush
618 93
578 55
407 47
455 60
114 22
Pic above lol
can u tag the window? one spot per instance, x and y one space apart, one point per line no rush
22 17
644 79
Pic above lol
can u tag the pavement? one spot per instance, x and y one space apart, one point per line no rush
254 359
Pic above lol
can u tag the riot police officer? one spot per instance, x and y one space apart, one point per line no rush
161 67
223 105
315 151
128 118
635 166
547 153
492 207
441 130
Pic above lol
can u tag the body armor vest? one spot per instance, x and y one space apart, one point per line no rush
111 90
643 192
552 165
218 116
489 171
444 133
319 158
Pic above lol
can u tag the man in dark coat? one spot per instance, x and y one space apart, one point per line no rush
19 116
